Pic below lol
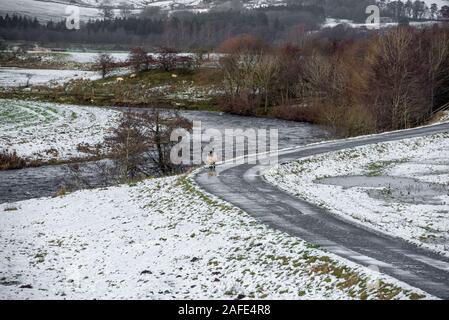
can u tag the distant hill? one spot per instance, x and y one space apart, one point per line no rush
55 9
195 3
168 4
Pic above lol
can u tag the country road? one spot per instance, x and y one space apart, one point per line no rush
243 186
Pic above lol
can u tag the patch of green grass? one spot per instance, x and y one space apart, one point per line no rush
40 256
213 263
416 296
312 246
56 243
376 168
132 184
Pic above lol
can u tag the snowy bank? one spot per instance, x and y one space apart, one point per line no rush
400 188
164 239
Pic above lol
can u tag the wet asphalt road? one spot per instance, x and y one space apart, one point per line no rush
243 186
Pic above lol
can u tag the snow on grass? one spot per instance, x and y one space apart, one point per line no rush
17 77
187 90
399 188
45 131
161 239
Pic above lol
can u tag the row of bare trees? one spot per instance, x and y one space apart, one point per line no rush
393 80
166 59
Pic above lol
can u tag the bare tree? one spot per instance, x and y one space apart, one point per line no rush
241 82
267 70
127 145
167 58
105 64
399 80
139 59
140 146
242 72
200 56
437 44
159 128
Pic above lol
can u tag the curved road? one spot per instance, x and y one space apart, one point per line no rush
243 186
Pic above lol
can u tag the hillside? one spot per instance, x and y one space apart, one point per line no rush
55 9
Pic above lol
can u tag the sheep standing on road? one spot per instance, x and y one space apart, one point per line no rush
211 160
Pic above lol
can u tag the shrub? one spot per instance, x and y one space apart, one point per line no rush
9 160
62 191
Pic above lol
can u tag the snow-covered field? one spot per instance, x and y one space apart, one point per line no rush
164 239
399 188
45 131
15 77
89 57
